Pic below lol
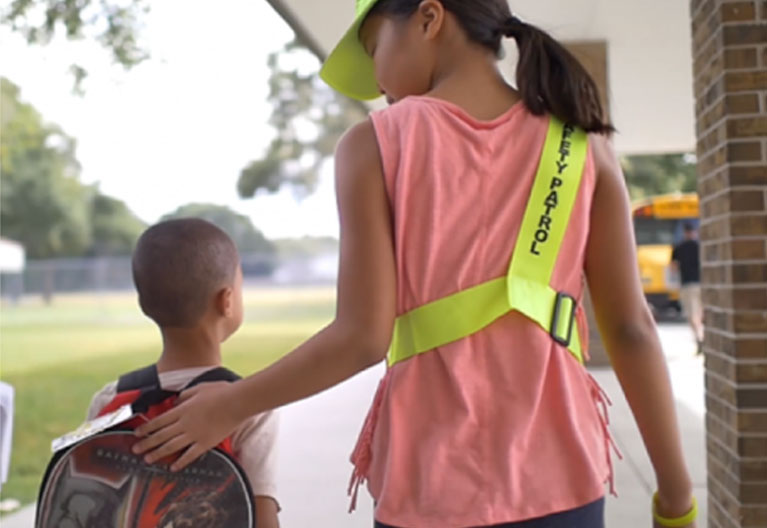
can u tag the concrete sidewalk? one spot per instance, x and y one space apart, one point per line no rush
318 435
635 480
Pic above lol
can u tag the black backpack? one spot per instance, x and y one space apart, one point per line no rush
98 482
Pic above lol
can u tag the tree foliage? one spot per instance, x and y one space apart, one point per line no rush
659 174
115 24
238 226
114 226
308 118
307 246
43 203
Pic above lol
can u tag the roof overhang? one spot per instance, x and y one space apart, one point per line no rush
649 59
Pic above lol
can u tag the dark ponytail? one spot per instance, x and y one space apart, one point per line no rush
549 78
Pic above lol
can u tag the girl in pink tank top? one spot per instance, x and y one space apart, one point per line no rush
503 426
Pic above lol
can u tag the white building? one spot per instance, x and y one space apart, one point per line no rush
12 256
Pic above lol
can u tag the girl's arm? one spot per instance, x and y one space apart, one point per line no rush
358 337
628 330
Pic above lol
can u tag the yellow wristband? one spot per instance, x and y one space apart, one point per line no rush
675 522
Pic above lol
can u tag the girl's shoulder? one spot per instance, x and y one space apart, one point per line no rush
430 112
606 163
406 107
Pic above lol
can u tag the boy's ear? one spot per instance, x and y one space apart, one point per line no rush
225 301
431 15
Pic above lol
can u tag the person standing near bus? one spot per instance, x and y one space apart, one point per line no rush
686 261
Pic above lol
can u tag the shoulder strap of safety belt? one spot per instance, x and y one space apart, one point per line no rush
526 287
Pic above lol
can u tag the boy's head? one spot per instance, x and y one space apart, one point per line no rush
186 270
689 231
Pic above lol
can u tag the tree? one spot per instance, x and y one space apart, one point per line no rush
660 174
308 118
307 246
43 204
114 24
239 227
115 227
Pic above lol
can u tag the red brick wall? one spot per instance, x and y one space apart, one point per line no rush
730 71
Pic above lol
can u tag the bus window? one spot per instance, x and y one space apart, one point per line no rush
653 231
661 232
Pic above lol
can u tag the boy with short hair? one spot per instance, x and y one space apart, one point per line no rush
189 281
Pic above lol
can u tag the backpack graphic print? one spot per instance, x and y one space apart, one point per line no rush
99 483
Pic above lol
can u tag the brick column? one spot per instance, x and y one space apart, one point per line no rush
730 71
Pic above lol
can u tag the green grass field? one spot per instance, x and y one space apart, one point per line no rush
57 356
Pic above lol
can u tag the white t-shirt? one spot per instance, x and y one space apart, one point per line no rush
253 443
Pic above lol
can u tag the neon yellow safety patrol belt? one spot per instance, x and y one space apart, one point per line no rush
526 286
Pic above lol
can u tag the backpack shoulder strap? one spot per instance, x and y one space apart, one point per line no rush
139 379
147 381
148 377
216 374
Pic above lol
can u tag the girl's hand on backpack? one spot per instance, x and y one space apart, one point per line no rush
197 423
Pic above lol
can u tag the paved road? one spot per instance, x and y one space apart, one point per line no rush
318 435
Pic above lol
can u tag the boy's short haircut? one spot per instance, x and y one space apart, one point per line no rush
688 227
178 265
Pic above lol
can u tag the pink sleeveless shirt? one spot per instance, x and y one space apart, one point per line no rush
503 425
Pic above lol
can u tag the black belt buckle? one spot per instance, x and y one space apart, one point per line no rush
564 341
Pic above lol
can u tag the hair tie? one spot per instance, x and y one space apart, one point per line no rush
512 26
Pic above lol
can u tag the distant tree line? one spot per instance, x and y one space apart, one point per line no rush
659 174
45 206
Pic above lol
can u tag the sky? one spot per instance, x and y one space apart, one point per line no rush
179 127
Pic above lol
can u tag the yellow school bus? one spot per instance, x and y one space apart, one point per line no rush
658 226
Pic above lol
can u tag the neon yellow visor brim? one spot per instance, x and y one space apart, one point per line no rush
349 69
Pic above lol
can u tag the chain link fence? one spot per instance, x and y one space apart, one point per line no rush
47 278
